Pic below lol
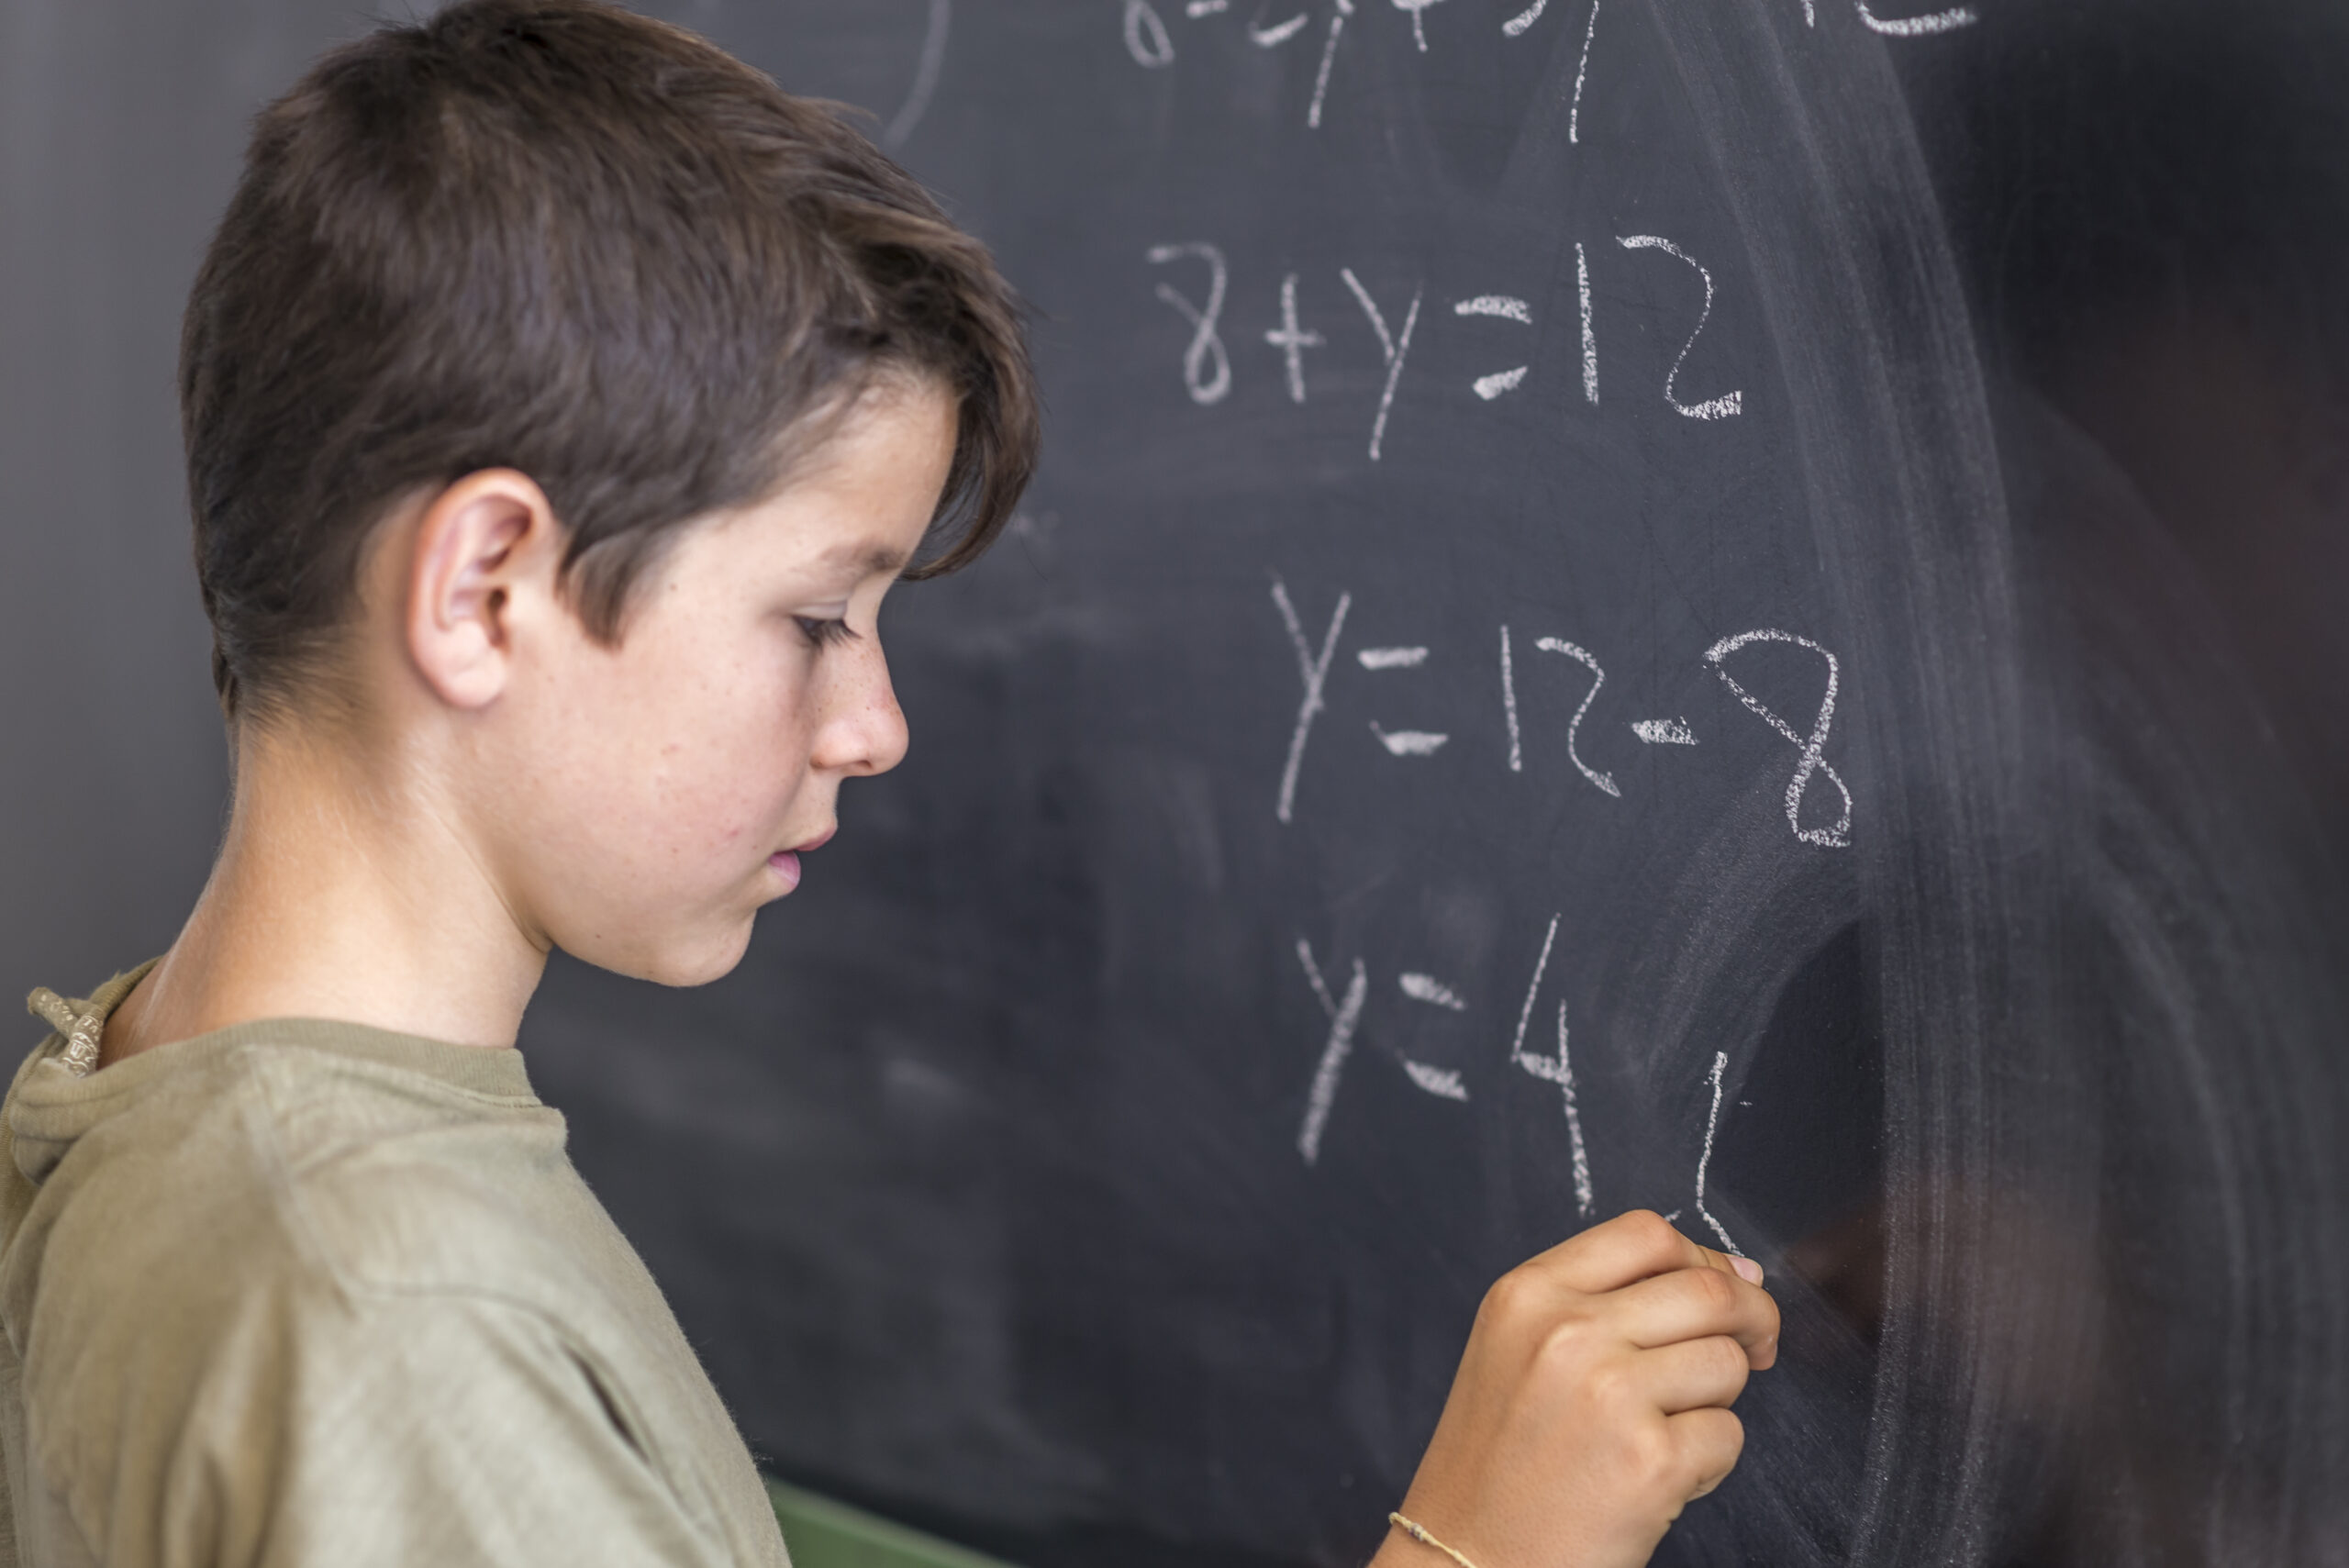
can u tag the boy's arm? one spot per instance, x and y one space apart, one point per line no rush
1591 1405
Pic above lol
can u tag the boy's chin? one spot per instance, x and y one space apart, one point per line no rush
680 960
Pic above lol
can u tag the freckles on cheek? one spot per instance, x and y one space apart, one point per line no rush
745 798
729 759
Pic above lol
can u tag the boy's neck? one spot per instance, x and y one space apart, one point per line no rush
339 894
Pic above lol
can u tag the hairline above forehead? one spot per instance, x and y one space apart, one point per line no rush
813 449
811 445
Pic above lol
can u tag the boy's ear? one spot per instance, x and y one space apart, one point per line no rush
481 540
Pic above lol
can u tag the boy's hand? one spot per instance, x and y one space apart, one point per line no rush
1592 1403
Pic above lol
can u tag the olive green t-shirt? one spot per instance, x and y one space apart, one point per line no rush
306 1293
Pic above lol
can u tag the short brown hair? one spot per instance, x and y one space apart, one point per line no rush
554 236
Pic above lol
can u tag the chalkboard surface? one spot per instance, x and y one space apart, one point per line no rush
1729 605
1721 606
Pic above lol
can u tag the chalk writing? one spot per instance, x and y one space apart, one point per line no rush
1441 1082
1418 8
1279 33
1704 1160
1291 341
1589 338
1491 386
1208 371
1920 26
1496 305
1532 992
1315 672
1509 707
1573 726
1314 669
1345 1018
1582 69
1338 14
925 87
1151 47
1206 343
1394 348
1409 742
1729 404
1560 1070
1813 762
1146 36
1429 989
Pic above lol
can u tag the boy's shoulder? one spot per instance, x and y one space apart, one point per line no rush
294 1157
309 1244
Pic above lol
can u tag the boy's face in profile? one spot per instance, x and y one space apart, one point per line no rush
643 801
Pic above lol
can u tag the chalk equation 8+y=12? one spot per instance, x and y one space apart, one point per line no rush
1207 365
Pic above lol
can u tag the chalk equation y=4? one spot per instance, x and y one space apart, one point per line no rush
1345 1012
1315 652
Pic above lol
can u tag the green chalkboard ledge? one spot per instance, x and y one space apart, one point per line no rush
823 1534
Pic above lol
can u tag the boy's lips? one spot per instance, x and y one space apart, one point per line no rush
785 863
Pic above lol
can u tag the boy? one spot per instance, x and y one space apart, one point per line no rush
560 398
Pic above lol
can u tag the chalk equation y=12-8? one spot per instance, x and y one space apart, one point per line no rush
1317 662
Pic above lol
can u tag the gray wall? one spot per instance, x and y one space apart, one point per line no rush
121 122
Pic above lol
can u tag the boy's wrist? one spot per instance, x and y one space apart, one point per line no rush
1412 1545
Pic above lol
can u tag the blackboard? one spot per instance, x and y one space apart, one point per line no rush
1725 607
1769 563
1722 606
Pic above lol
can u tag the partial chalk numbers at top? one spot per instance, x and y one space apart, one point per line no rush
1315 647
1194 282
1151 41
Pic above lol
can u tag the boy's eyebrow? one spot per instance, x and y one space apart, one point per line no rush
870 557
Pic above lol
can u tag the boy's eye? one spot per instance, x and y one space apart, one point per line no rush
819 632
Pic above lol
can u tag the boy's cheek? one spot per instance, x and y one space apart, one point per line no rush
648 812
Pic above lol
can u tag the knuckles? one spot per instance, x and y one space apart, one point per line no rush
1715 1294
1728 1368
1652 1234
1515 1303
1608 1390
1714 1455
1652 1465
1565 1354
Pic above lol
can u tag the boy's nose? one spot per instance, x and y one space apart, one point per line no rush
866 731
